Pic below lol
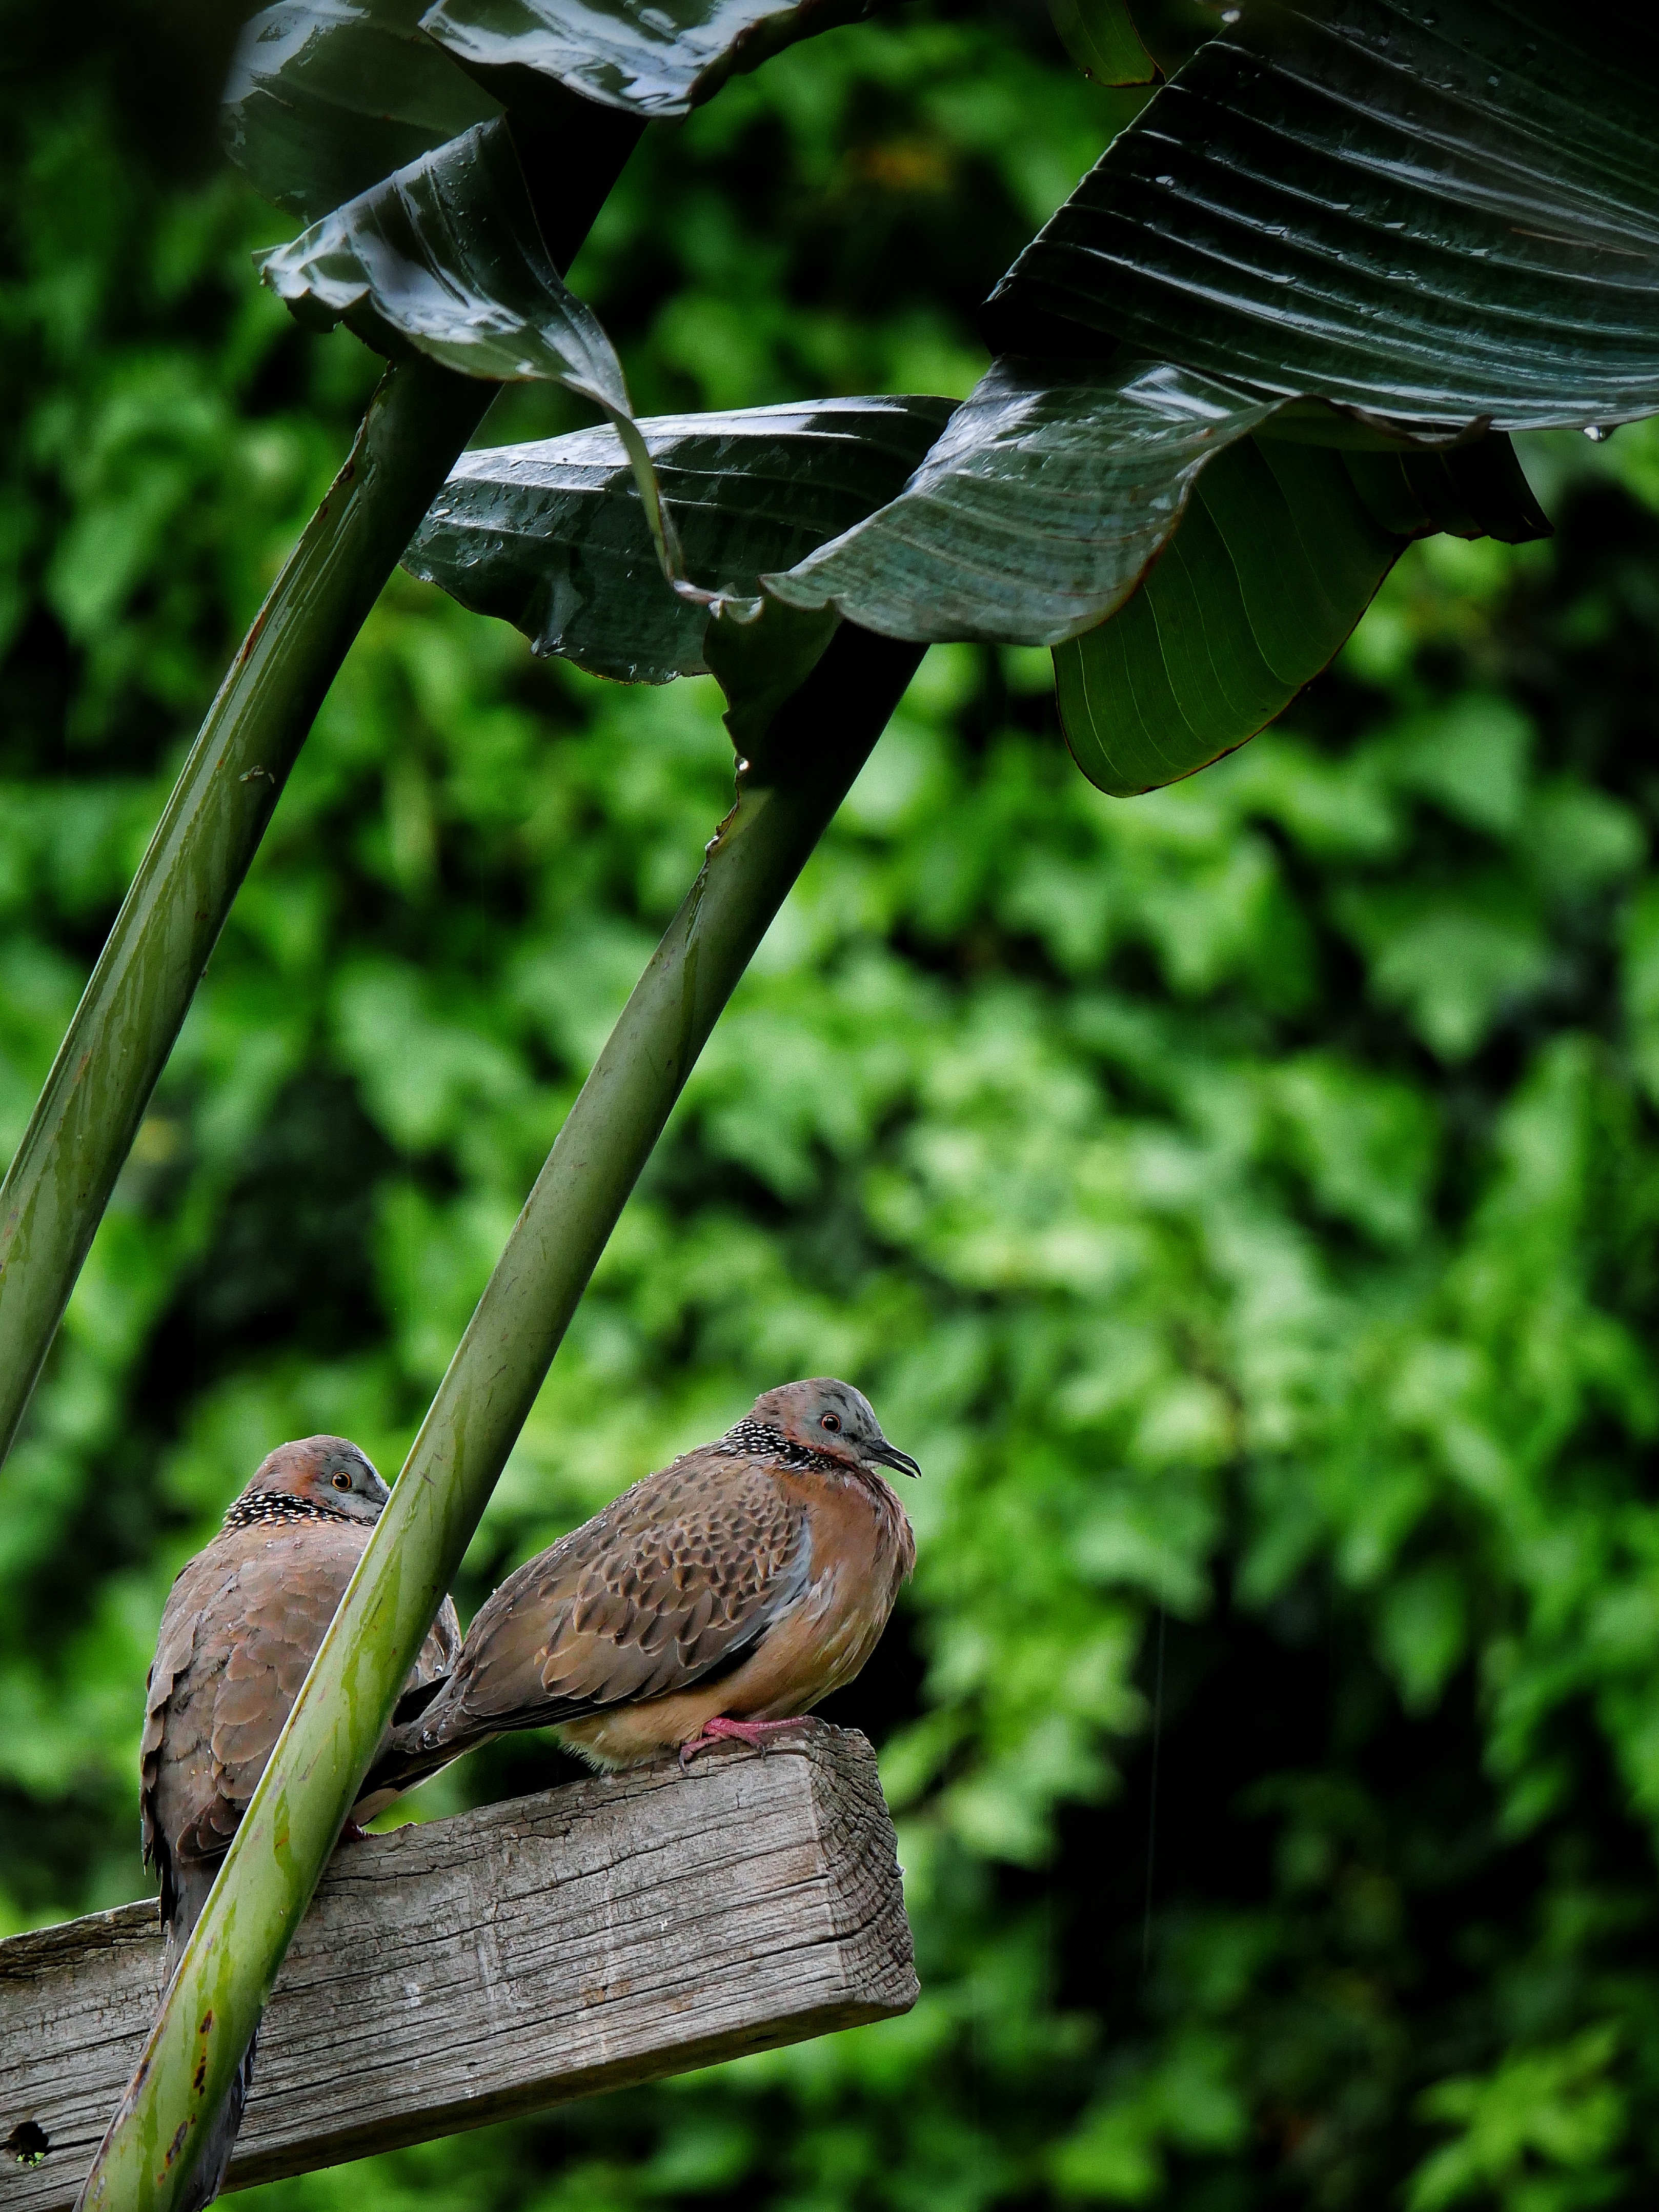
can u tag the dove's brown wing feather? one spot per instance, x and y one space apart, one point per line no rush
241 1628
677 1577
191 1593
288 1593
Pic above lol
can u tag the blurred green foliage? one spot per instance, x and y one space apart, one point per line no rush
1242 1199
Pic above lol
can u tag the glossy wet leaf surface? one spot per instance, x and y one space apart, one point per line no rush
1280 551
327 97
651 59
1039 509
1436 215
552 536
447 256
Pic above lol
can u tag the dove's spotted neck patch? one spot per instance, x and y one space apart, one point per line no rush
760 1440
263 1507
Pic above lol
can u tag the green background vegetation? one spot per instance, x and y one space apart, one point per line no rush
1242 1199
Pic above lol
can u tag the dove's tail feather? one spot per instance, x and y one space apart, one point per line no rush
184 1886
404 1759
207 2175
192 1879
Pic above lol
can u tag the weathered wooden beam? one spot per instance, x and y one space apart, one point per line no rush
460 1971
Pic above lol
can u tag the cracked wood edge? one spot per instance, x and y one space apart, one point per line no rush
457 1972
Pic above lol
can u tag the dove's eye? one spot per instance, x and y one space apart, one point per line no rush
343 1480
831 1421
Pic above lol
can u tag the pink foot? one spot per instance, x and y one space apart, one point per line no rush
720 1730
351 1834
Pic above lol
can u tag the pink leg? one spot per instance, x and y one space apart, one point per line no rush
351 1834
719 1729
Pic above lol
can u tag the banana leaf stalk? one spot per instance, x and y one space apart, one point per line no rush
816 744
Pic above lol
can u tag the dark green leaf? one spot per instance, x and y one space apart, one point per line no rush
1435 216
1037 512
447 256
1276 558
1280 550
552 537
327 97
1477 490
1101 38
648 58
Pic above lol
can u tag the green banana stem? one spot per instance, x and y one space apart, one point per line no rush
816 746
60 1182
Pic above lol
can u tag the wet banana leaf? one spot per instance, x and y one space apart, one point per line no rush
1279 554
327 97
447 256
552 537
1101 38
1442 217
652 58
1039 509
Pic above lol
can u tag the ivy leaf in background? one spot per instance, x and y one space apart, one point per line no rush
653 60
1280 551
447 256
1101 38
1443 218
325 97
552 538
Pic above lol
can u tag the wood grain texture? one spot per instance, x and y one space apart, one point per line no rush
459 1971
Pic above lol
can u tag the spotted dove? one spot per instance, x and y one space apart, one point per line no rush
718 1598
241 1626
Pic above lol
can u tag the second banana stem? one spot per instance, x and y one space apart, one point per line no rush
816 746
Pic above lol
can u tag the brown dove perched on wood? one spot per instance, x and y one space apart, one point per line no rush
241 1626
718 1598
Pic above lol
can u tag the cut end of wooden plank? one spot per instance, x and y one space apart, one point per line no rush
459 1972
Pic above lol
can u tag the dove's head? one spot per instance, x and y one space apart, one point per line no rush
827 1416
326 1470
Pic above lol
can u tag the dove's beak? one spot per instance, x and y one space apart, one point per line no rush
888 1455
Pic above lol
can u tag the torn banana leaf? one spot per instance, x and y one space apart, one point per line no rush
1442 217
552 538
